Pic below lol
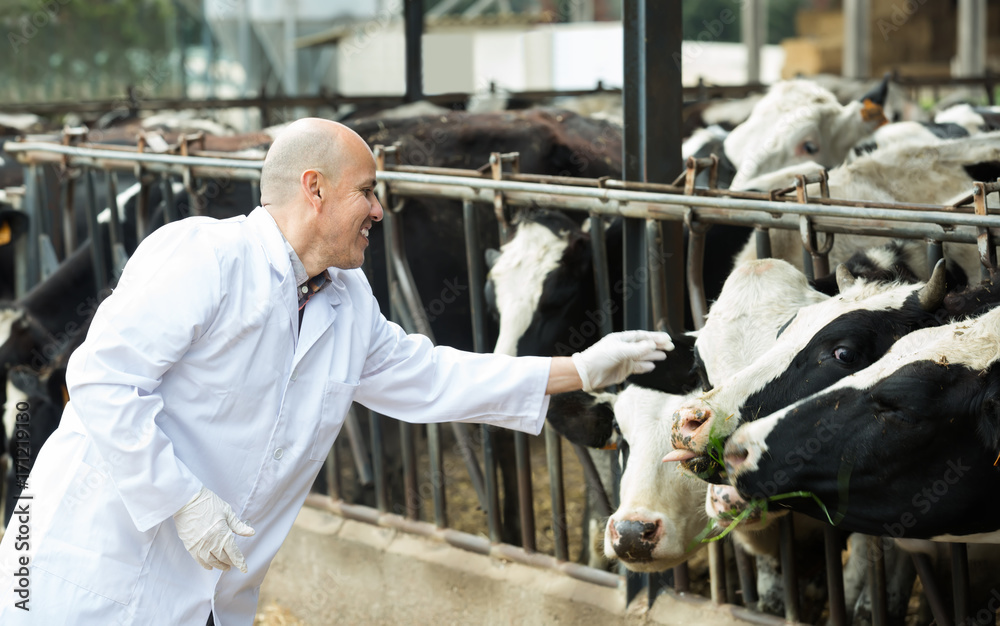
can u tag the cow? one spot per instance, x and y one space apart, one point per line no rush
923 419
817 346
799 121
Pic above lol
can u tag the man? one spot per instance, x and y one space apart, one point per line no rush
212 384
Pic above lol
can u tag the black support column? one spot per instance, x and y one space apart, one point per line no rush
652 101
413 17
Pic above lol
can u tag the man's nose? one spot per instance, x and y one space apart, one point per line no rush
376 211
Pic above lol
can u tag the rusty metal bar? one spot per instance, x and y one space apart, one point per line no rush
834 576
696 268
960 581
789 571
987 248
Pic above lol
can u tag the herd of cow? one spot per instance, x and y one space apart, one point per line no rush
870 401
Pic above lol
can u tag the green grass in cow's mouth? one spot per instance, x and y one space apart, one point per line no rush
756 505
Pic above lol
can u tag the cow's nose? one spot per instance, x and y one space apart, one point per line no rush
634 539
689 424
736 455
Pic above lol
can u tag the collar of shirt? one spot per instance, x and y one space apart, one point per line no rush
305 287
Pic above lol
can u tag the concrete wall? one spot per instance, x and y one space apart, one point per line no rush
332 570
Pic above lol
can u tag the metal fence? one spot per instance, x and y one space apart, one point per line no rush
791 208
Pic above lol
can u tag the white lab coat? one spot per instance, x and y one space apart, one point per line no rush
191 374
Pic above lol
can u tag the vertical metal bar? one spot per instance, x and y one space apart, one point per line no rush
834 576
378 462
935 252
789 575
557 493
695 271
33 209
876 581
524 492
807 265
97 246
717 571
731 575
412 496
602 281
763 240
142 209
925 569
857 40
745 570
972 33
652 139
413 17
960 581
436 455
987 249
69 213
492 493
682 582
476 267
169 207
754 34
657 291
114 234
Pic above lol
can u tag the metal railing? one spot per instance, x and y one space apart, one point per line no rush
601 199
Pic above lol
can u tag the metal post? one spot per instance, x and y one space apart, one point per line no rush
436 455
652 139
834 576
960 581
789 574
754 33
876 581
553 453
413 17
971 37
33 209
411 494
97 246
857 39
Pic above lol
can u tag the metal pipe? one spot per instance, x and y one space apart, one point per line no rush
68 188
411 494
413 25
789 571
657 288
436 454
745 571
717 572
492 492
696 271
476 268
935 252
834 576
925 569
28 266
524 491
602 281
557 494
960 581
97 245
876 581
356 439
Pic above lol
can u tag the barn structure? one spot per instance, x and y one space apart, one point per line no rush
460 524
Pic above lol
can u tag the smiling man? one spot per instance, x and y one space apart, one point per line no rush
213 382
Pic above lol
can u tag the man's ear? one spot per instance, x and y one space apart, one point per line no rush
310 184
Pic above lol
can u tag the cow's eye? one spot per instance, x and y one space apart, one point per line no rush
809 147
845 355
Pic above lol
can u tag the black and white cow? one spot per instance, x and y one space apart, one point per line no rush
906 447
817 346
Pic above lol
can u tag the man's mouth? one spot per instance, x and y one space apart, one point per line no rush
364 233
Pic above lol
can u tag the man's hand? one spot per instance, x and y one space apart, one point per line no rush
206 525
619 355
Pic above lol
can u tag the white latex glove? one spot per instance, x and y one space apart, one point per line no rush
619 355
206 525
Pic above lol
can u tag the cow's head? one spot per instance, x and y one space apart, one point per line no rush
660 514
799 121
821 344
906 448
542 288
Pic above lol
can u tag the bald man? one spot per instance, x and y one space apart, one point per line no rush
212 384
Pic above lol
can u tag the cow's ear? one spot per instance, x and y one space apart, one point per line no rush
582 419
